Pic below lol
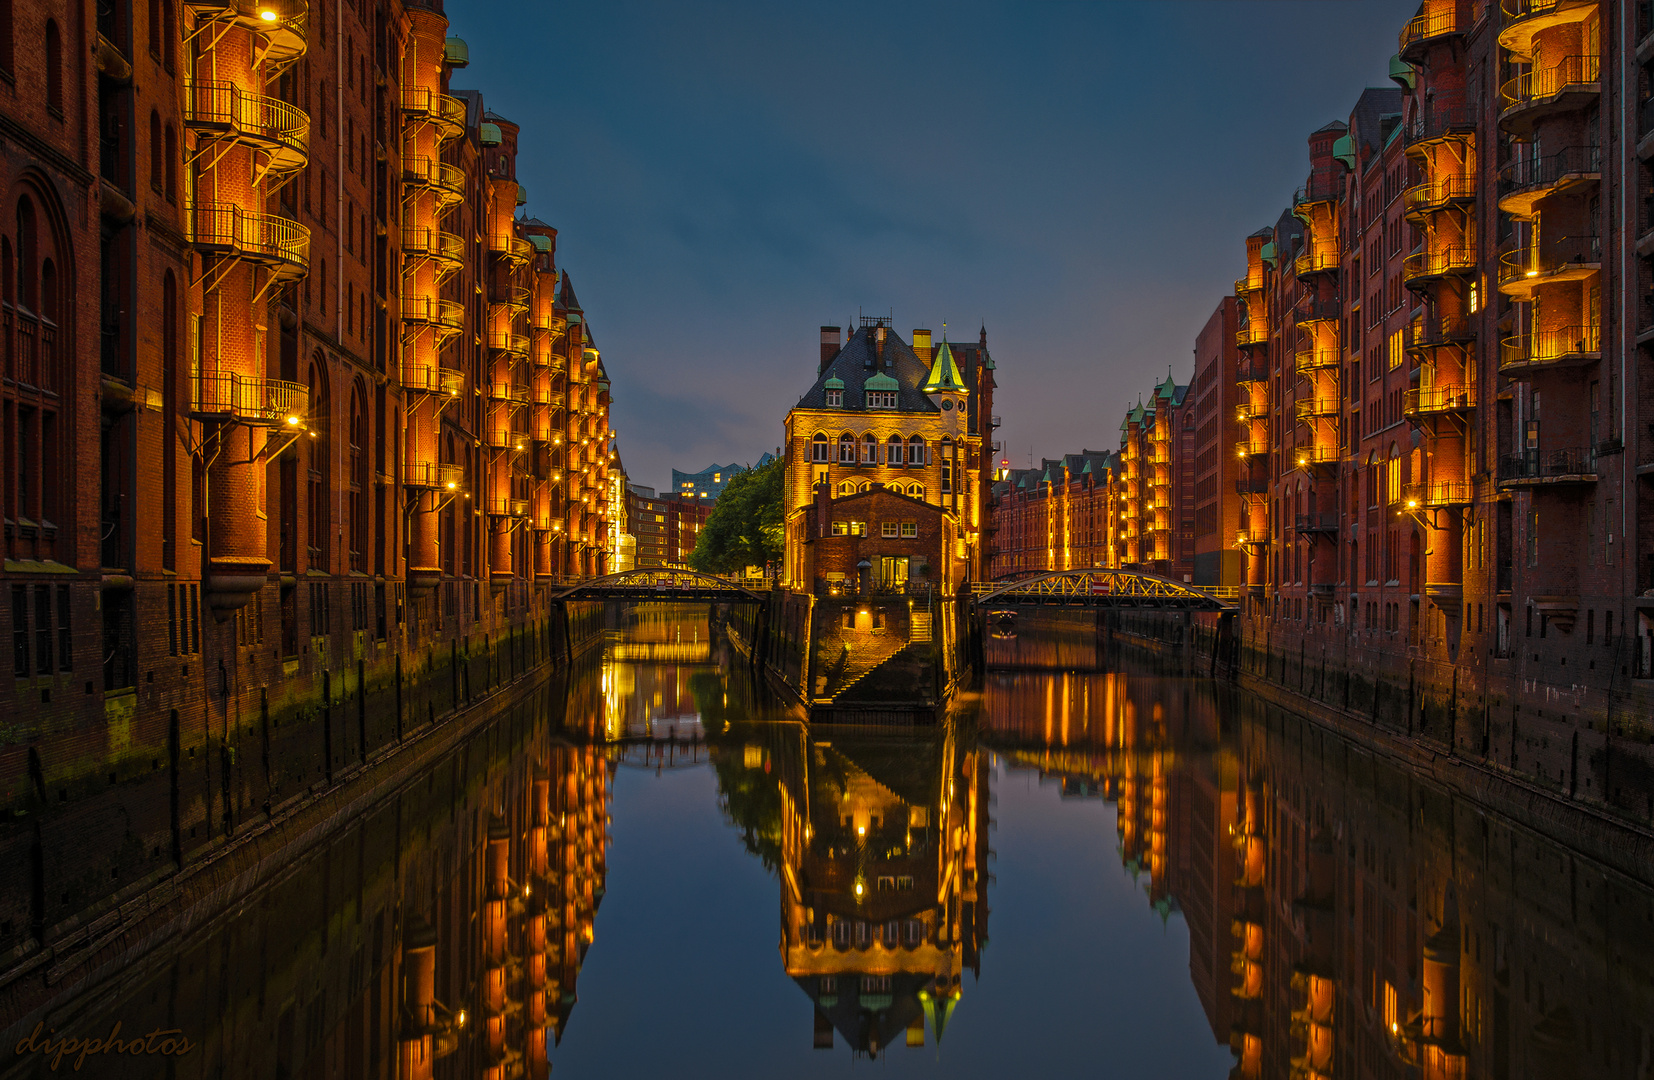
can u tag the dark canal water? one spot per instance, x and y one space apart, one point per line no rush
655 871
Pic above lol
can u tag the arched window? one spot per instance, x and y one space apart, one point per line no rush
1392 476
847 449
358 477
172 164
54 65
893 451
155 28
818 447
916 490
863 486
28 252
157 157
169 422
847 487
169 34
869 449
316 502
915 451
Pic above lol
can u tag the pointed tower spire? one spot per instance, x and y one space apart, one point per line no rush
944 373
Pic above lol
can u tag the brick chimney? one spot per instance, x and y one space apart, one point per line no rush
878 338
829 346
921 345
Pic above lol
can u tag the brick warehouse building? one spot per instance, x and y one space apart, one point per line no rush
346 419
1440 507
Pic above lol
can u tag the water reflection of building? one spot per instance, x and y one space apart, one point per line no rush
880 842
492 981
646 675
1348 917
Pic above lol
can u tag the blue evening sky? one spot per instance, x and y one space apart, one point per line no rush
726 178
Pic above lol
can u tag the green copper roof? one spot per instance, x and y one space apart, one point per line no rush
1166 389
1402 73
881 381
1343 149
1137 413
835 383
944 373
522 195
490 135
456 52
1087 470
541 243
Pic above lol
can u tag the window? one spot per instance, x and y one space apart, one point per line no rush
358 509
6 29
888 529
157 158
818 448
910 529
847 449
847 487
841 528
317 503
916 490
869 450
835 399
54 67
947 476
893 451
915 451
172 164
881 399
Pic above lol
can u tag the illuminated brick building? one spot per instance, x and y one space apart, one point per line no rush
1059 516
299 411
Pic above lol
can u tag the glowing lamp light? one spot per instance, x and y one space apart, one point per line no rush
861 830
519 446
292 421
1531 273
267 15
1411 503
858 888
452 485
459 1019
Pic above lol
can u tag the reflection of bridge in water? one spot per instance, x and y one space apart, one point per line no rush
658 752
663 652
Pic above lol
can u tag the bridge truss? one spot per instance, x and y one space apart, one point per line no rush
1103 588
660 583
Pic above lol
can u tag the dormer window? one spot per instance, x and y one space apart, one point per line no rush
835 399
881 399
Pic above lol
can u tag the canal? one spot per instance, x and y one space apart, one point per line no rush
654 868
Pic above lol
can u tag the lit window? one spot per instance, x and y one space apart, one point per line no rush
818 448
858 528
847 487
847 449
841 528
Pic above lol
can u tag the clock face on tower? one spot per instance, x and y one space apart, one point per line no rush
947 403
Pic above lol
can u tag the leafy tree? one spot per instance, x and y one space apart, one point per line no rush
745 527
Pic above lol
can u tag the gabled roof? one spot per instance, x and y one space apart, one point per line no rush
565 293
853 366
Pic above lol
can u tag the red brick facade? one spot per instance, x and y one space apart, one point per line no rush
300 420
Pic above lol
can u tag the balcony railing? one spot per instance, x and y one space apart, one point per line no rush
1524 182
281 24
515 297
1565 259
1446 330
1252 536
1326 522
430 474
1311 360
1525 18
1252 486
448 181
507 342
1436 194
1424 266
1255 331
260 402
544 395
1426 27
1551 88
1252 372
1572 465
1566 347
1244 285
505 506
426 379
224 110
1304 456
1438 493
1247 411
1441 122
447 315
514 248
508 393
501 438
1314 408
1315 262
1249 445
227 230
1324 188
548 320
1317 311
433 244
1435 400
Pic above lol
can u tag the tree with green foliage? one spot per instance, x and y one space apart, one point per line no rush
745 527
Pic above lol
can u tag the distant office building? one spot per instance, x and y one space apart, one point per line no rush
665 527
707 484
